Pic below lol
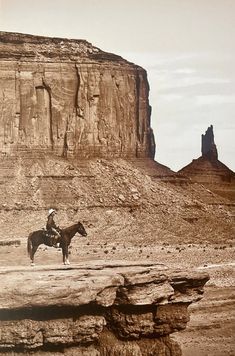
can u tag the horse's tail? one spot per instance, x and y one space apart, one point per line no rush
29 244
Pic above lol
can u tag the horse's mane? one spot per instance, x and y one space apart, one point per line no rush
71 228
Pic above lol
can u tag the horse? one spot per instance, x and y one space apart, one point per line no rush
39 237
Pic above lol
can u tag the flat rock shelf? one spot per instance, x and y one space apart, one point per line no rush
96 308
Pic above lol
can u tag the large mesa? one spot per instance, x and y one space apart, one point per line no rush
71 99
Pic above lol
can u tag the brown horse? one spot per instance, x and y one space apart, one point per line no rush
39 237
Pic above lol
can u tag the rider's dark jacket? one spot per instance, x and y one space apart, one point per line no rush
51 224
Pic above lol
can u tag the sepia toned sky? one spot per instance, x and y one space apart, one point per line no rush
186 46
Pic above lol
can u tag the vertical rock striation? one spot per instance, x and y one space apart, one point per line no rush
71 99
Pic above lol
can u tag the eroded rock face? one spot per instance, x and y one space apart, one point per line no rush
69 98
87 311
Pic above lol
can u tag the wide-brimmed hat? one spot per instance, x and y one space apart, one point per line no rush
50 211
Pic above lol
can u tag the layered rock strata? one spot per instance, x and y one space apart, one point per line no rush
71 99
96 309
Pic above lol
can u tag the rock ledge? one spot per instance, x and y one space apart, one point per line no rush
99 308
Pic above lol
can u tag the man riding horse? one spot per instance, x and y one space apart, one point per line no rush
52 228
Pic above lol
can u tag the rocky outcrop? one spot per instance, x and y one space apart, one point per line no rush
71 99
96 309
209 171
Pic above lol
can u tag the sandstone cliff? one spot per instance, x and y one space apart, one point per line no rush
102 309
71 99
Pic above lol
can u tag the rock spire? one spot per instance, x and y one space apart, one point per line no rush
209 149
209 171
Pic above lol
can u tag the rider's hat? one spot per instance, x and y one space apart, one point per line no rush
50 211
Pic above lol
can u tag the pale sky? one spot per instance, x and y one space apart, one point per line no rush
186 46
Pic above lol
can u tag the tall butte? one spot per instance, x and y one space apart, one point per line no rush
209 171
69 98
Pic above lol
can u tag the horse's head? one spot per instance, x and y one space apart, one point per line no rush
81 229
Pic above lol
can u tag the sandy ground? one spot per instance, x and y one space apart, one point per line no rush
211 328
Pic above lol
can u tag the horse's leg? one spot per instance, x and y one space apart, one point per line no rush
33 251
65 254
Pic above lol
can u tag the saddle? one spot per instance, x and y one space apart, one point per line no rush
50 238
